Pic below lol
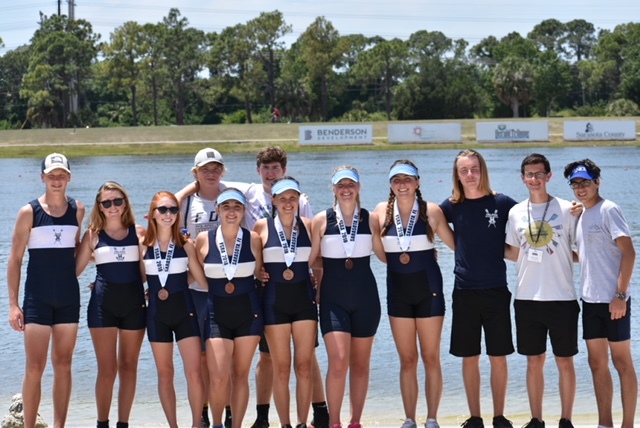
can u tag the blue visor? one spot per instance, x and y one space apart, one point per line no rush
284 185
231 195
345 173
404 169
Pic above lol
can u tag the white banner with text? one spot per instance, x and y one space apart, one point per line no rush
512 131
336 134
423 133
600 130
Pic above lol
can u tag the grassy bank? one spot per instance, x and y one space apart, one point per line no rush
181 140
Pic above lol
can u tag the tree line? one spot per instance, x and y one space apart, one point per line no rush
170 73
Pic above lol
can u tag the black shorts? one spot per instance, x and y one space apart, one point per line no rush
117 305
174 317
235 316
409 295
200 299
37 311
291 302
597 323
475 310
536 319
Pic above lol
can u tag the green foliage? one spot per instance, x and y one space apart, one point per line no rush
623 107
237 117
513 82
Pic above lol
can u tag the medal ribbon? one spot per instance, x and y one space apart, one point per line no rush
348 242
230 268
288 250
404 239
163 273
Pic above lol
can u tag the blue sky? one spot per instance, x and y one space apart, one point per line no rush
471 20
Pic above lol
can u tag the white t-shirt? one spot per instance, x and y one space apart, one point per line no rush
259 205
600 257
545 261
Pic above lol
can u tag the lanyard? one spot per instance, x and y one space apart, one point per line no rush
230 268
163 273
348 241
544 214
404 239
288 250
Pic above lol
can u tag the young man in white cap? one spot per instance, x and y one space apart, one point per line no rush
607 257
49 228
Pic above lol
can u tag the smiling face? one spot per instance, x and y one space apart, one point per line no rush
469 173
209 174
404 186
269 172
111 197
167 219
535 177
586 191
56 180
231 212
286 202
346 190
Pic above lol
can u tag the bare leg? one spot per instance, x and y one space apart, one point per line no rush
190 350
499 380
163 354
338 346
128 357
429 333
359 370
598 350
63 342
535 384
304 347
279 338
623 362
243 351
567 385
219 356
36 346
105 343
471 378
404 336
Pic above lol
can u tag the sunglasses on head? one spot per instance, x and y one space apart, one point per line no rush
117 202
172 210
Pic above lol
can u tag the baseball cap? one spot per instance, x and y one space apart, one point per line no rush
206 156
55 161
580 172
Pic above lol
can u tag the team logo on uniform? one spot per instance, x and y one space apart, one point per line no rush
492 217
57 236
119 253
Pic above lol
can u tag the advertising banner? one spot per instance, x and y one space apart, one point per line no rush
425 133
493 132
600 130
336 135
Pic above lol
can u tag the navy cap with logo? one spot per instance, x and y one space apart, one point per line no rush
580 172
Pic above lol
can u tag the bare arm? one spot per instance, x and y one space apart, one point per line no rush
195 268
440 226
85 250
256 249
618 307
511 252
18 247
79 217
187 190
378 249
318 227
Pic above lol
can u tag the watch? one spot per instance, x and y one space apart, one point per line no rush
621 296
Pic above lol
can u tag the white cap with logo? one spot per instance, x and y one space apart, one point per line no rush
206 156
55 161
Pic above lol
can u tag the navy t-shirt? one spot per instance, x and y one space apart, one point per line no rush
479 228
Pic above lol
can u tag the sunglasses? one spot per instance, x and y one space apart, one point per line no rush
117 202
172 210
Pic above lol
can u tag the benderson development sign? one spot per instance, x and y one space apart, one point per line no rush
600 130
336 134
512 131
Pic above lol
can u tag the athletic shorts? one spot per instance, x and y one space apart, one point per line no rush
361 322
477 310
202 310
536 319
38 312
174 317
409 295
597 323
291 303
235 316
123 306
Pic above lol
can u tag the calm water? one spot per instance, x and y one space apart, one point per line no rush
143 176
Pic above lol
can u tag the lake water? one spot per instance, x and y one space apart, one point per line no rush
143 176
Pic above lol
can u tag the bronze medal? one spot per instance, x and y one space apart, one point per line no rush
163 294
405 258
229 288
348 264
287 274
